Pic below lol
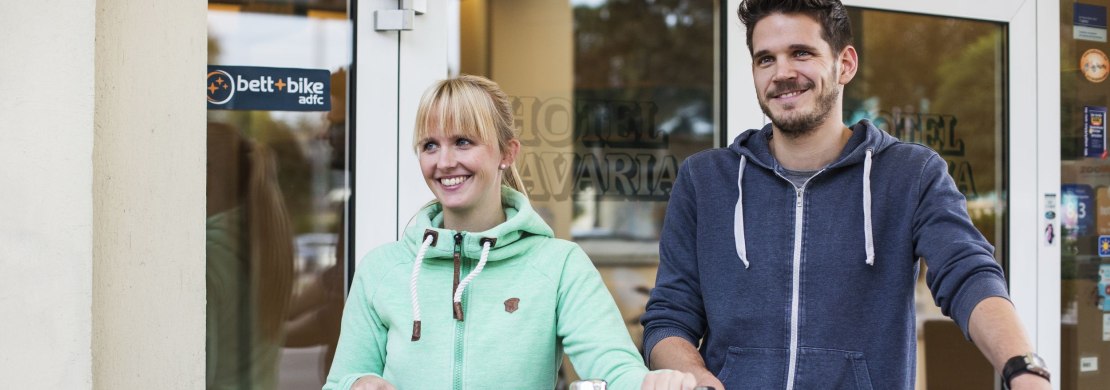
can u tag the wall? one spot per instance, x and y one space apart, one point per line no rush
46 75
148 195
102 206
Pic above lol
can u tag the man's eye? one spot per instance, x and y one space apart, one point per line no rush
765 60
802 53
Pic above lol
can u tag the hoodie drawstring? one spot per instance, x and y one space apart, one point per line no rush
486 244
429 240
738 226
868 240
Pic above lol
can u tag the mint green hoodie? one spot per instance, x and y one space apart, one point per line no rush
535 297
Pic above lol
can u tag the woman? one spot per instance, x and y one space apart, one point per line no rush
518 296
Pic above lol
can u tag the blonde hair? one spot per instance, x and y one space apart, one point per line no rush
271 243
473 107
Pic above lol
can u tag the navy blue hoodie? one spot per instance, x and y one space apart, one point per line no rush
813 288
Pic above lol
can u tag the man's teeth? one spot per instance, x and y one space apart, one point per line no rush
450 181
791 94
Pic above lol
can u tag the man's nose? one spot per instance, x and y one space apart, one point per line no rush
784 70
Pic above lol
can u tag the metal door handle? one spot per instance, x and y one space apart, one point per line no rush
399 19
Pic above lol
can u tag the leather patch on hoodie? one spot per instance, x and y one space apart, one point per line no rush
512 304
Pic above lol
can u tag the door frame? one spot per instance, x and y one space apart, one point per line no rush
394 68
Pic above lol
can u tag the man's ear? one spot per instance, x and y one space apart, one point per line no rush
849 64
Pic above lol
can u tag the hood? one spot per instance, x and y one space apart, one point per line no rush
520 221
430 241
753 146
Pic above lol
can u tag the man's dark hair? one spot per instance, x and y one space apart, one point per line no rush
836 29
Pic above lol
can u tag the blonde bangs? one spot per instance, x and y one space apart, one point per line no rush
455 109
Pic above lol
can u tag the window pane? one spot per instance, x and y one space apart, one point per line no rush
1084 195
939 82
276 197
610 98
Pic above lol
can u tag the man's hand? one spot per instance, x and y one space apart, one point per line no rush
371 382
678 354
1029 381
668 380
708 379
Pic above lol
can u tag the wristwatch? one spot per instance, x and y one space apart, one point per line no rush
1021 364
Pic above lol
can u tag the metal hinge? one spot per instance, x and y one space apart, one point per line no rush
399 19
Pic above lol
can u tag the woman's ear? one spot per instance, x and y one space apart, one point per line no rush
510 152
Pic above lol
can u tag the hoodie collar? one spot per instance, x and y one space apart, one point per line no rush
755 145
520 221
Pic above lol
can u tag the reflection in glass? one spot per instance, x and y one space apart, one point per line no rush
1084 200
609 97
276 264
939 82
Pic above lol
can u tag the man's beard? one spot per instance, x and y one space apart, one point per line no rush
798 124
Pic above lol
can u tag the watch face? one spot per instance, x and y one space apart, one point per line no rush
1034 363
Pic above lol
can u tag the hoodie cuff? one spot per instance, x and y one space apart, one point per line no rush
655 336
350 380
976 288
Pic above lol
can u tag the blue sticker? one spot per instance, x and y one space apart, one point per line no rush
1078 202
1094 131
1103 246
1089 22
269 89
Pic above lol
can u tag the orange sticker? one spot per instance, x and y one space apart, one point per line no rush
1094 65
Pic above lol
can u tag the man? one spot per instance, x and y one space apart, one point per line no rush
791 255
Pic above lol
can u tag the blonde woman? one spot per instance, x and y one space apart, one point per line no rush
479 293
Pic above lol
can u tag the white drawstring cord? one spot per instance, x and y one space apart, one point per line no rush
478 269
428 238
868 240
738 225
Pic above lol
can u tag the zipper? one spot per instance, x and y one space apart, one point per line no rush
799 208
796 283
461 265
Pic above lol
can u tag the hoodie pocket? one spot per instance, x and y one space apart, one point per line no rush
754 368
766 368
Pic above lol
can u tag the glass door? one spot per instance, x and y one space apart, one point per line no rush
276 190
611 96
956 77
1085 195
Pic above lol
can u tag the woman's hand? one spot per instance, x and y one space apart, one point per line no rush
371 382
668 380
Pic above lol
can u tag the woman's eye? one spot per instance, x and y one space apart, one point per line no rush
463 142
430 146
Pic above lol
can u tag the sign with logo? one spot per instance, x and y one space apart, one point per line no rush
1089 22
268 89
1094 65
1094 131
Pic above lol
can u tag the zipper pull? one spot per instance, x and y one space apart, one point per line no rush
457 306
799 202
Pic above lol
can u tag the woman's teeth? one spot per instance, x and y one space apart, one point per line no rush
450 181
